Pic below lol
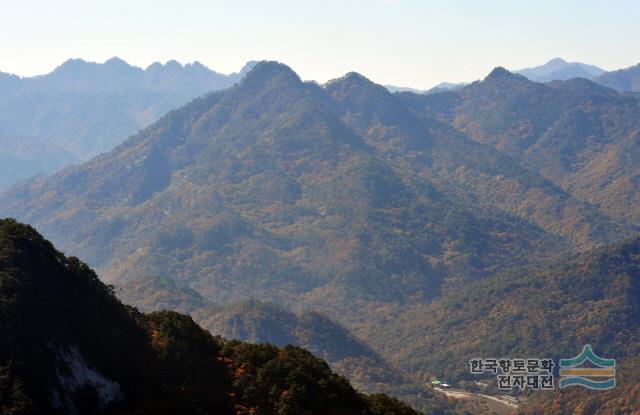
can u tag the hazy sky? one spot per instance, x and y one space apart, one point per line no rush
402 42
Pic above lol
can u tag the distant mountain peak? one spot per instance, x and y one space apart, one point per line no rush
560 69
196 64
500 73
556 61
264 71
173 64
116 61
79 67
71 63
154 65
355 76
358 80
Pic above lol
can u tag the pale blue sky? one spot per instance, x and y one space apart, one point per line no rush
402 42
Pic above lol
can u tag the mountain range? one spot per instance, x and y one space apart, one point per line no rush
83 108
578 134
627 80
558 69
404 230
255 188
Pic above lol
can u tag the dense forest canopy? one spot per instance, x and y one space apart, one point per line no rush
69 346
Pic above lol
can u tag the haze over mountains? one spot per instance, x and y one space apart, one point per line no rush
622 80
286 175
83 108
558 69
418 228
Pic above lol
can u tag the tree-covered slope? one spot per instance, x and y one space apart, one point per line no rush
151 293
578 134
454 161
69 346
260 322
624 80
548 311
263 190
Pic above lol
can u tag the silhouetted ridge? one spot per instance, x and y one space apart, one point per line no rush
247 67
173 64
71 65
270 71
558 69
500 73
584 87
355 80
356 77
557 61
73 62
626 80
116 61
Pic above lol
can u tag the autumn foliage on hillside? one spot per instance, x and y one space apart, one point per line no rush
163 363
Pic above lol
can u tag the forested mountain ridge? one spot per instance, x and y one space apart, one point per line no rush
580 135
264 189
69 346
452 159
261 322
626 80
85 108
552 311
